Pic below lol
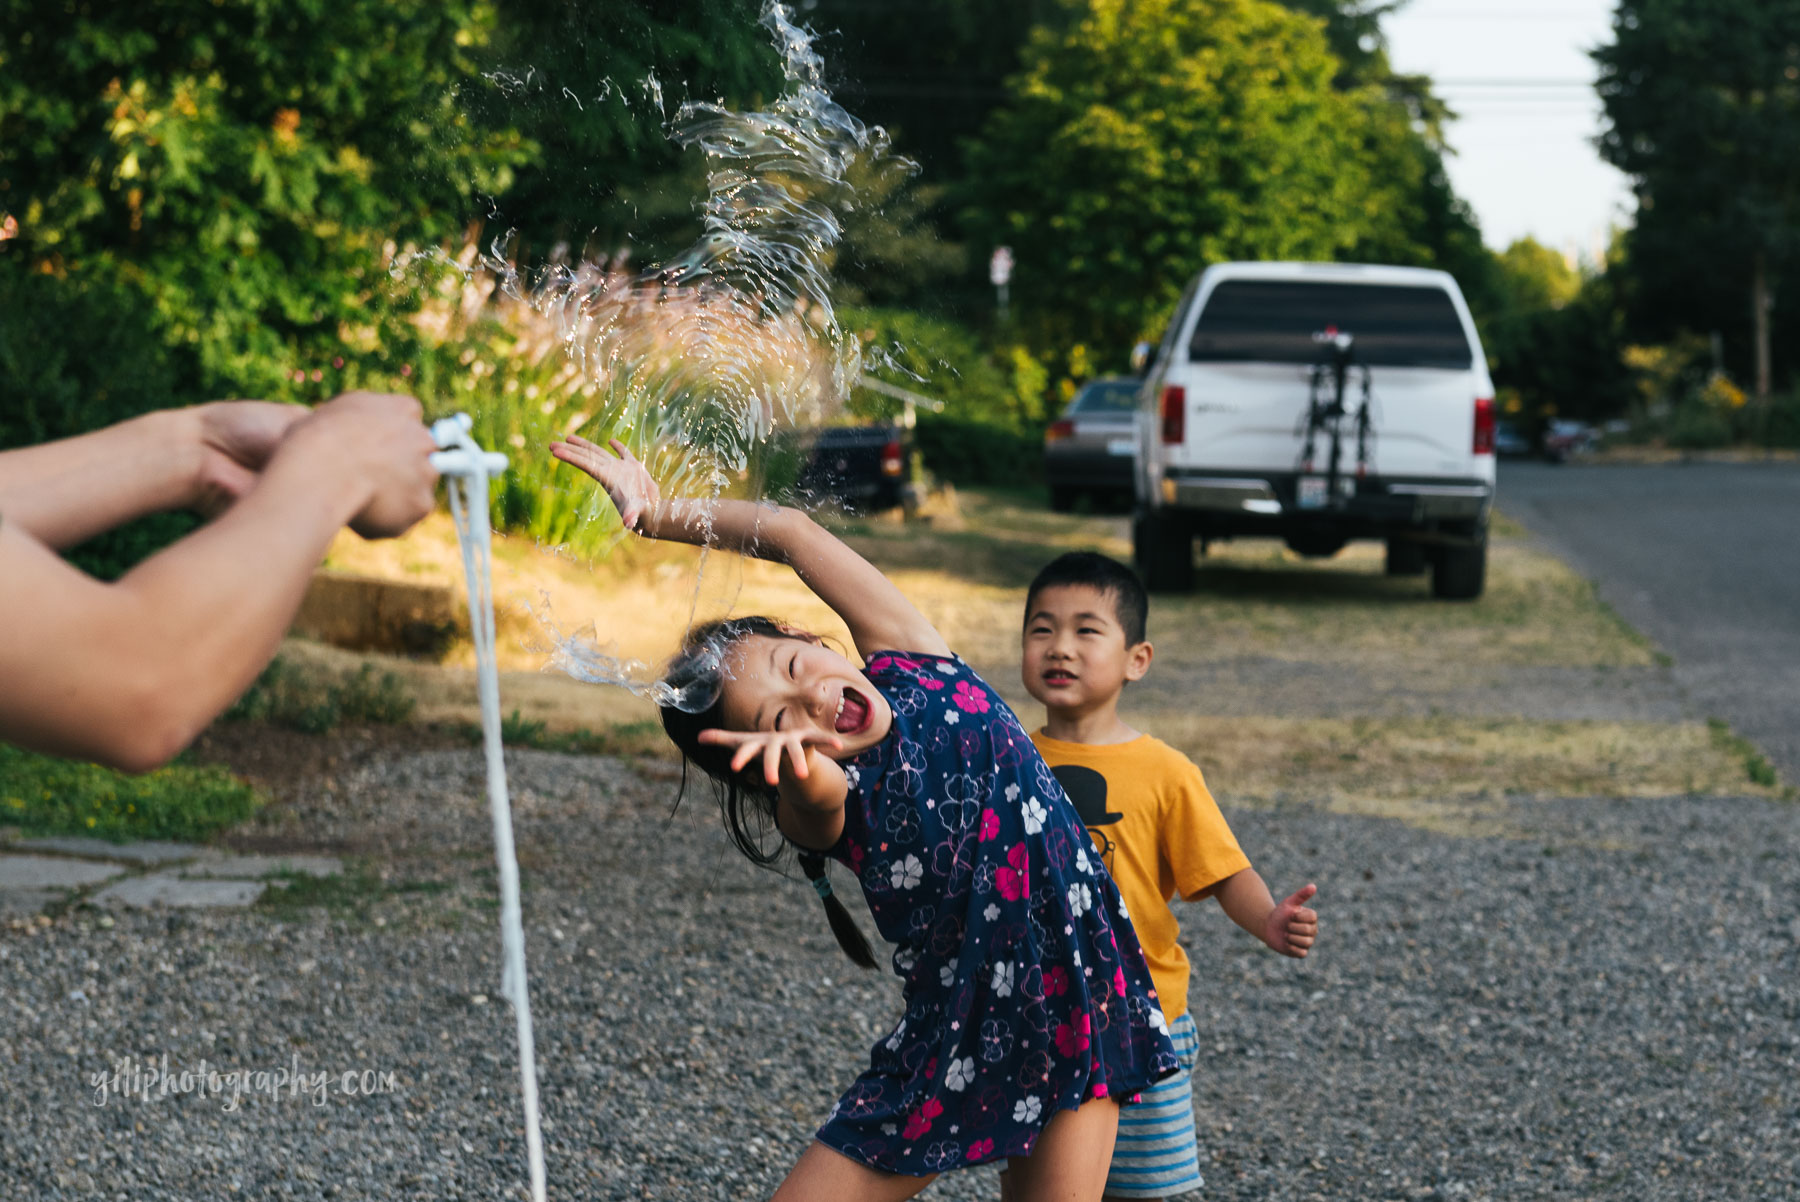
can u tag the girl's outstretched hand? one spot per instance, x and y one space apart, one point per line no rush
627 481
771 745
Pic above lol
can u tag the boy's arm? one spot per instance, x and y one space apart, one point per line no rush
878 614
1289 928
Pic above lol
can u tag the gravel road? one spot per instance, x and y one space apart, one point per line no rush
1603 1003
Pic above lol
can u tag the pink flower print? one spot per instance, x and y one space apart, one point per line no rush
969 699
981 1149
1100 1090
990 825
930 682
1119 981
882 663
1056 981
920 1120
1072 1037
1012 882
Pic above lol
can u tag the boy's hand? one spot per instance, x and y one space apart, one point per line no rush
772 746
626 481
1292 927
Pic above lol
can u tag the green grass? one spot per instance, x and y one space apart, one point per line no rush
348 894
314 701
1757 768
46 796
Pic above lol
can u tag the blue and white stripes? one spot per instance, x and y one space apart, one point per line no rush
1157 1154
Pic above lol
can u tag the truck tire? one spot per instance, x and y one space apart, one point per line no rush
1460 573
1315 544
1405 557
1163 549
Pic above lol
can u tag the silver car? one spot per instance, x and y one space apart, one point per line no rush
1092 447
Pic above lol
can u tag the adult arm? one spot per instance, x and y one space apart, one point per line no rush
202 458
127 673
878 614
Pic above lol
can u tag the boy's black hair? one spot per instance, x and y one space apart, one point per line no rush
1130 603
746 801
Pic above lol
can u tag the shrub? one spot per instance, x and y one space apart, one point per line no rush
968 452
47 796
76 355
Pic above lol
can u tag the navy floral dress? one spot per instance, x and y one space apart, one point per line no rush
1026 991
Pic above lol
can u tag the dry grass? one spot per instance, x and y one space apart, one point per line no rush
1254 599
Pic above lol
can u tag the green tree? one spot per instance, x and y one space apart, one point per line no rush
1145 140
1702 102
241 164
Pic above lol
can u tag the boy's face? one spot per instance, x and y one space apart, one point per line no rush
1075 655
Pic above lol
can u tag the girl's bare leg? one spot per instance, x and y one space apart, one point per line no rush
827 1175
1071 1158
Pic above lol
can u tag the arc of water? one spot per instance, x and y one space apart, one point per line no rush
466 469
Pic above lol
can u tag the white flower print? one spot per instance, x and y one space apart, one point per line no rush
1012 792
947 668
1158 1021
1123 912
1027 1109
992 912
893 1041
1002 983
907 873
996 1041
1035 813
1081 862
905 961
1081 898
853 774
960 1073
951 717
947 975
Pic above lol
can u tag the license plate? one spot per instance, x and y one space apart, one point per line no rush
1121 446
1312 492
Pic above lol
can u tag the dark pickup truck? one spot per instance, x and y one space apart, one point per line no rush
865 469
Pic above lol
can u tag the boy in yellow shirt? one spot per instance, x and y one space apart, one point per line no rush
1158 830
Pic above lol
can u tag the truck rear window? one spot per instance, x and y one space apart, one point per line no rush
1273 321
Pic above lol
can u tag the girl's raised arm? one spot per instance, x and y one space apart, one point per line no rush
879 616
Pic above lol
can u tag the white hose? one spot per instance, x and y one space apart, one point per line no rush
466 468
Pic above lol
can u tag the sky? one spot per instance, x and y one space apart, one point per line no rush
1518 73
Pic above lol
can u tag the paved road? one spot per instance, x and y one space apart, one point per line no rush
1705 559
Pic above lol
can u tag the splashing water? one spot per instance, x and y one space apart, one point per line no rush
694 364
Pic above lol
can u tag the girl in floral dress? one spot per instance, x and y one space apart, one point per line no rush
1030 1015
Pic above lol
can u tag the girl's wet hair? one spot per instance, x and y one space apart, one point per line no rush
746 800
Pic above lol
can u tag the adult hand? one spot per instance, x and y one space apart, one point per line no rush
381 438
236 439
1292 927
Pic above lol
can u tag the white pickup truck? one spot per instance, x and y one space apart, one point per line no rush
1318 403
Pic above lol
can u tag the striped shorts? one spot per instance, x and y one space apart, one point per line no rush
1157 1154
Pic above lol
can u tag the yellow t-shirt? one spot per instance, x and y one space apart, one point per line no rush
1168 838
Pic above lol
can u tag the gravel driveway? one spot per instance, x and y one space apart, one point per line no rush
1603 1004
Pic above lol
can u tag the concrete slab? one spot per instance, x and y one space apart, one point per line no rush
167 889
254 867
52 872
148 854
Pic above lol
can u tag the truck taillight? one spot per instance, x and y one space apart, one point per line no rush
893 459
1060 430
1174 414
1484 425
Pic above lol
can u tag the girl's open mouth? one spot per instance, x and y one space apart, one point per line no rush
853 713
